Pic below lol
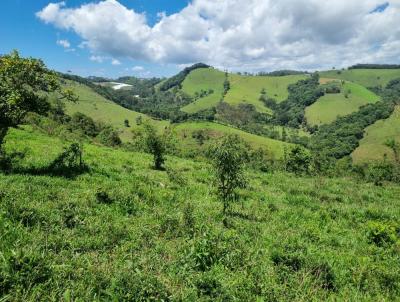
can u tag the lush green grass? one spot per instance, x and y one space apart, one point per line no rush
273 147
126 232
247 89
243 89
101 109
372 146
203 79
330 106
364 77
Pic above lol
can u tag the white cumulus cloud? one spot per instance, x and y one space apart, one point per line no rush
239 34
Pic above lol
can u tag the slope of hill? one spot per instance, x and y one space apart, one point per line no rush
332 105
207 80
372 146
127 232
101 109
365 77
247 89
274 148
243 89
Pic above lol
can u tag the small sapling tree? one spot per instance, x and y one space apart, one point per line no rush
155 144
228 157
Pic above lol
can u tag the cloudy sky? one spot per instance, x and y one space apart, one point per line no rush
159 37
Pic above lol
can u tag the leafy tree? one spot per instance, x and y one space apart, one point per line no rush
229 156
109 137
24 84
155 144
299 161
84 123
227 84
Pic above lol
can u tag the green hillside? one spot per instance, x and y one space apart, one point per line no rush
247 89
101 109
332 105
364 77
203 79
125 231
372 146
243 89
185 131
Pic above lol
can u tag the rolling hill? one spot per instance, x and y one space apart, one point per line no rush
247 89
274 148
332 105
205 79
101 109
365 77
372 146
243 89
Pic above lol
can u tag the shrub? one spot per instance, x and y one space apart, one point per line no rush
298 161
229 156
155 145
109 137
382 234
84 123
69 161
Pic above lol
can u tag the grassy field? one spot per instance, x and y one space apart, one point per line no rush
248 89
330 106
364 77
372 146
125 232
101 109
203 79
274 148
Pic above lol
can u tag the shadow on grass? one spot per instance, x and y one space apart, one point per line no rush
68 164
66 172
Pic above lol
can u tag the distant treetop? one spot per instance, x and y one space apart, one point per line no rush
375 66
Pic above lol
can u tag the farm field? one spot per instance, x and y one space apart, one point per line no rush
330 106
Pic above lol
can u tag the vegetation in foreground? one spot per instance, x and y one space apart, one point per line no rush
81 221
124 231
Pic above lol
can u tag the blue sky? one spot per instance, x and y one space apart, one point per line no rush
112 38
21 29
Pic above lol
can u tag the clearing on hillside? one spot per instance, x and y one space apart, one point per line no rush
332 105
100 109
208 80
365 77
372 146
185 131
247 89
